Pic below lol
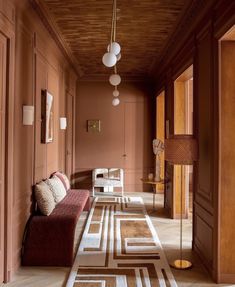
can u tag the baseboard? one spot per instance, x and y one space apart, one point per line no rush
204 260
226 278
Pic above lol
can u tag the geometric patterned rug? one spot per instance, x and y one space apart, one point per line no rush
120 248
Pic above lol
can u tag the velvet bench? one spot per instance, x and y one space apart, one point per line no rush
49 240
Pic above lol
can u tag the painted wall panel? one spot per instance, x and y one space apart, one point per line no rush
125 137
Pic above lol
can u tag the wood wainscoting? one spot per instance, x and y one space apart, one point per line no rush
199 39
30 61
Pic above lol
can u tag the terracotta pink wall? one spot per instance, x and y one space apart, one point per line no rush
125 130
39 64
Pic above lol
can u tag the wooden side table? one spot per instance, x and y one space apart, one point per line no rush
154 186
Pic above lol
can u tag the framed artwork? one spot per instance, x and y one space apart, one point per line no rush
47 122
93 125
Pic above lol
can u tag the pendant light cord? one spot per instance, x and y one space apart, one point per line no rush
112 25
115 20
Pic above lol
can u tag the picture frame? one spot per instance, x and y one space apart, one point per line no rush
93 126
47 120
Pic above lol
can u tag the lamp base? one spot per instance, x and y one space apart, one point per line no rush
181 264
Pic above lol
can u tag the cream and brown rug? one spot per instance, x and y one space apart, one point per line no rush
120 248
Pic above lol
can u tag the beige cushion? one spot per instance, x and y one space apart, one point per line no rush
63 177
57 188
44 198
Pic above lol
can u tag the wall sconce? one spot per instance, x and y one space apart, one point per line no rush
28 115
63 123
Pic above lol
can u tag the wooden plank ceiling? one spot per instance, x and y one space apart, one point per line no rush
143 29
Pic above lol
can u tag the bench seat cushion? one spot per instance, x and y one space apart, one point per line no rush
49 239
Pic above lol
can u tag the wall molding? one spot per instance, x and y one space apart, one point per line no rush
193 15
52 28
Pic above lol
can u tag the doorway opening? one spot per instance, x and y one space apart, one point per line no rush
226 179
3 90
160 134
183 124
183 174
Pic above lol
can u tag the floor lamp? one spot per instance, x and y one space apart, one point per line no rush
181 150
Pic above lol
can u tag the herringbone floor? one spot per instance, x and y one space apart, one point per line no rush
168 232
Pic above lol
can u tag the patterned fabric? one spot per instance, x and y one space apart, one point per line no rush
44 198
63 177
120 248
57 188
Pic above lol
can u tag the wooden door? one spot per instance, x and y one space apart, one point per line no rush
227 161
137 139
70 135
3 72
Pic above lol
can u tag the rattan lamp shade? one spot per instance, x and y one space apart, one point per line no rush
181 149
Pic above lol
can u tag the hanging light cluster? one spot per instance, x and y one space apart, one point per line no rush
113 55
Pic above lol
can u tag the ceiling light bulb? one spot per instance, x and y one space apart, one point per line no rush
109 59
119 57
115 93
115 48
115 102
115 79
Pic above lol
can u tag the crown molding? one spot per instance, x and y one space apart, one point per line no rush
193 15
53 29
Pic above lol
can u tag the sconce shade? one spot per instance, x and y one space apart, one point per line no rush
109 59
115 79
181 149
28 115
63 123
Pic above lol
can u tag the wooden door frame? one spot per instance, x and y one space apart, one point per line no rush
181 77
7 30
69 94
161 95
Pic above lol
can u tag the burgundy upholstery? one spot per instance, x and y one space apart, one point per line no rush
49 239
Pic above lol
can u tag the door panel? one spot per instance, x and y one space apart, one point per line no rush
137 140
40 148
3 61
70 135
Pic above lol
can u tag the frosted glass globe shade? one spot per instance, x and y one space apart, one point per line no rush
115 93
115 102
119 57
115 79
115 48
109 59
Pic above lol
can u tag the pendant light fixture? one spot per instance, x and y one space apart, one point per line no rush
113 55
